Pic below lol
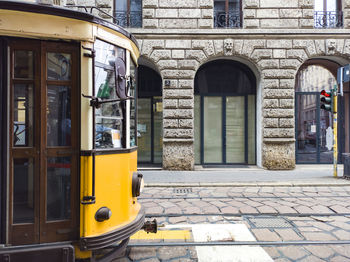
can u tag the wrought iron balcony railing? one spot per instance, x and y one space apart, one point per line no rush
329 19
128 19
231 19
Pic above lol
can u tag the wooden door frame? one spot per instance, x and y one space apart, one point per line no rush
40 151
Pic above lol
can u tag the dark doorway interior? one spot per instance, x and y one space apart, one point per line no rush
225 119
150 117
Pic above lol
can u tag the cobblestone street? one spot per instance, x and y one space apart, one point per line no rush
279 214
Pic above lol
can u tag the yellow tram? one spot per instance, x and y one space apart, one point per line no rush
68 158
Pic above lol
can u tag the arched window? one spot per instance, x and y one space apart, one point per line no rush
328 14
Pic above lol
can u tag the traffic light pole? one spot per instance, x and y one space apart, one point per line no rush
335 131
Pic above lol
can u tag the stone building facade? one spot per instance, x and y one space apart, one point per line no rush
274 40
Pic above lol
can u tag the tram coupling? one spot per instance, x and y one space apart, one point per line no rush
150 226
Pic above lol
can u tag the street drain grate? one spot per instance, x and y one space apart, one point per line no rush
182 190
269 222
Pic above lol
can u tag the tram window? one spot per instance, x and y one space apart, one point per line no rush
110 117
24 67
23 115
132 93
58 66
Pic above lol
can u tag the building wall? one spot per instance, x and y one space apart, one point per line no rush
276 39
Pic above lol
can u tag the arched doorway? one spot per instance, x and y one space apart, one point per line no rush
225 114
312 123
150 117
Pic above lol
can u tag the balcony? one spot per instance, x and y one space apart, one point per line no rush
128 19
231 19
329 19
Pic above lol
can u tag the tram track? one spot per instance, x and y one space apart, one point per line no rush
242 197
150 215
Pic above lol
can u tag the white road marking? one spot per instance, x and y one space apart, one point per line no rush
225 232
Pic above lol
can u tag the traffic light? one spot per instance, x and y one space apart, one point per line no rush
326 100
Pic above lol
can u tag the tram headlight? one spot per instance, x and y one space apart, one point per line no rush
137 184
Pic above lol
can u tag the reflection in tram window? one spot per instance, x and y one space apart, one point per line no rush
24 68
59 115
23 117
23 190
132 93
109 117
58 188
58 66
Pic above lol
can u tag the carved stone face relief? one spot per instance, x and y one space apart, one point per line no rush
228 46
331 46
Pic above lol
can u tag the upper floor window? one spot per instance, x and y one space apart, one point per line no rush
128 13
228 13
328 14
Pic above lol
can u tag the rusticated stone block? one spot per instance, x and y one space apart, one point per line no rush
167 64
178 155
346 3
306 23
298 54
160 54
306 3
170 103
308 13
186 123
286 103
286 122
219 46
205 23
278 3
268 63
291 13
207 13
279 23
188 64
278 73
148 45
186 84
178 133
178 23
270 83
205 3
179 44
267 13
290 63
167 13
259 54
178 74
199 55
308 45
279 53
186 103
287 83
177 54
278 113
279 43
178 93
189 13
251 23
270 122
251 3
250 45
206 45
270 103
170 123
150 23
178 113
178 4
148 13
278 93
278 132
249 13
150 3
320 47
278 156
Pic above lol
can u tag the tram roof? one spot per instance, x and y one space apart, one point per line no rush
63 12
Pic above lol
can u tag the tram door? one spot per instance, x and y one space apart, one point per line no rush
43 142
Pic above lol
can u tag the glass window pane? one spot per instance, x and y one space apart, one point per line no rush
24 67
58 188
23 115
158 129
109 118
197 130
251 130
212 130
58 66
235 137
23 191
58 115
132 93
144 129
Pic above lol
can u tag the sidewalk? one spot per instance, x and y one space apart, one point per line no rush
302 175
